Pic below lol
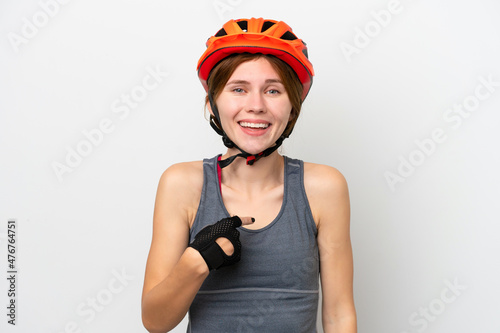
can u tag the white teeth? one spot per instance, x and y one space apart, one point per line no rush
254 125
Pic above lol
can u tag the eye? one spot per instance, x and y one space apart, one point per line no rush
238 90
273 92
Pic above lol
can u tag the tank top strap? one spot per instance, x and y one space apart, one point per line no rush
294 170
211 208
296 194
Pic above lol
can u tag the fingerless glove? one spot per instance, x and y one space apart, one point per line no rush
205 243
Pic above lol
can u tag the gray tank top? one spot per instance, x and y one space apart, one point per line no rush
274 287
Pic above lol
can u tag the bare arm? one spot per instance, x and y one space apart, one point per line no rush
329 199
175 272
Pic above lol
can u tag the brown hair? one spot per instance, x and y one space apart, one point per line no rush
225 68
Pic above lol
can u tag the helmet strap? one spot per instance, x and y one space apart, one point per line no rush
251 158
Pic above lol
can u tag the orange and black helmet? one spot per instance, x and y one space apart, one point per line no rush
257 35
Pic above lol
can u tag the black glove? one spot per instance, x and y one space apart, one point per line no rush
205 243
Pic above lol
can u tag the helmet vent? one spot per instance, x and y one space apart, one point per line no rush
288 36
221 33
243 25
267 25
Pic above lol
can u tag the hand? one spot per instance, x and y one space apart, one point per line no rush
219 243
225 244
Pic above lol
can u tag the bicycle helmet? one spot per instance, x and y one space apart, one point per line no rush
255 35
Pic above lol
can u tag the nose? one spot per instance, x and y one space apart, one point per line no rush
256 102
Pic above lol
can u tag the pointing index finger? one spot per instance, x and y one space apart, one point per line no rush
246 220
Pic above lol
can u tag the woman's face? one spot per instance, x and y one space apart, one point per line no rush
254 107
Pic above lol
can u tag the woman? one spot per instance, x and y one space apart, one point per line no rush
257 272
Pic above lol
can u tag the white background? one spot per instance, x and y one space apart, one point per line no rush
411 240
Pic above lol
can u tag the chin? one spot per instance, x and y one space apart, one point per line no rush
254 149
255 146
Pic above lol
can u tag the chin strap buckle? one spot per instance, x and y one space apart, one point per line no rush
253 158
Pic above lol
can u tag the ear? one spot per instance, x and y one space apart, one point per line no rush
209 107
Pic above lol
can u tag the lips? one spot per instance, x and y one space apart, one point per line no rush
254 125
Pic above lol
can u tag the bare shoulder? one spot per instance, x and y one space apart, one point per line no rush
326 189
323 179
184 174
181 185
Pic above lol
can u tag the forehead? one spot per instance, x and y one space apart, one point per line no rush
259 69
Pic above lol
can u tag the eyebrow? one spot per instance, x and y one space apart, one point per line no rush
246 82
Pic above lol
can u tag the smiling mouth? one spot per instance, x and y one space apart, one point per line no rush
254 125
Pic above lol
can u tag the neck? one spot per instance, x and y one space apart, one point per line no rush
265 173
